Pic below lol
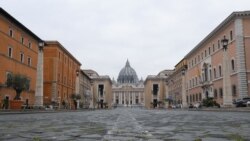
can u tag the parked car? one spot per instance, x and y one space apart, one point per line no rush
241 102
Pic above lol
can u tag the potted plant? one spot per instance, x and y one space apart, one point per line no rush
19 83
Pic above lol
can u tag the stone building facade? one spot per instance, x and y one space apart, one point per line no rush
128 90
101 90
60 74
175 83
18 55
155 89
220 73
84 89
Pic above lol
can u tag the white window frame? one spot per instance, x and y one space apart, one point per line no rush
10 53
30 44
11 32
29 61
21 57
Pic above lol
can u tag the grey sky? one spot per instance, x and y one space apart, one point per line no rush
153 34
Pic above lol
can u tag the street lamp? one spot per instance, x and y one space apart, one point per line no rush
40 45
224 42
227 97
77 72
183 72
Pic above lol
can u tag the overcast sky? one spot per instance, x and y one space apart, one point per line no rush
102 34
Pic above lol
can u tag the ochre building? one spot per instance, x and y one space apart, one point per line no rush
60 72
18 55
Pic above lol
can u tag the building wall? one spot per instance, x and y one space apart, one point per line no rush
107 91
161 95
127 93
85 89
59 73
246 31
28 47
175 86
214 59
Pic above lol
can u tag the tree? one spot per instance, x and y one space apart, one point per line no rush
19 83
209 102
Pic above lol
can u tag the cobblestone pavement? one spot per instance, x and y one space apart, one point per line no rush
126 124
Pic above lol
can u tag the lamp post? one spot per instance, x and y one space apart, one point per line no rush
224 42
227 96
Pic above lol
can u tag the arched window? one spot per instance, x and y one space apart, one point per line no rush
234 90
200 96
214 73
210 74
215 93
220 72
221 93
232 65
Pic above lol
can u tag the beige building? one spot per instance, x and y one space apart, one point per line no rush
155 89
128 90
219 70
101 88
83 88
176 90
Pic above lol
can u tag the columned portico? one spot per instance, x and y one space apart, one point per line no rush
128 88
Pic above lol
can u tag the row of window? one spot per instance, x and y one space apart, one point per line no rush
220 94
207 52
194 98
22 56
65 60
64 81
22 39
216 74
217 94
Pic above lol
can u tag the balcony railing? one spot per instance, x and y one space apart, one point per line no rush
205 83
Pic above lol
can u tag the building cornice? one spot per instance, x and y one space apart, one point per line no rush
17 23
229 19
63 48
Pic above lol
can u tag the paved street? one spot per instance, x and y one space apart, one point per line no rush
126 124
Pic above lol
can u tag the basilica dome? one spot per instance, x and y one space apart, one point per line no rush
127 75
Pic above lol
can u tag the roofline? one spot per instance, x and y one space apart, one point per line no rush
90 70
48 42
183 59
20 25
103 77
218 28
85 74
154 77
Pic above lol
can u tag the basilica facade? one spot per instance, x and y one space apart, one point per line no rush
128 90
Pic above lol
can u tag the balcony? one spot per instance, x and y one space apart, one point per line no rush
205 83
